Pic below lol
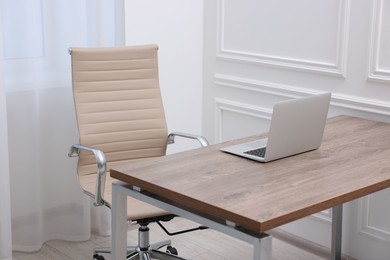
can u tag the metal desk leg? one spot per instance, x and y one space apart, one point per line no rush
337 221
263 248
118 223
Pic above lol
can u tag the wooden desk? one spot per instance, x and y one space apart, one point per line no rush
236 195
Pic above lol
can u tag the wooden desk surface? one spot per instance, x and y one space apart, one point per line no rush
353 161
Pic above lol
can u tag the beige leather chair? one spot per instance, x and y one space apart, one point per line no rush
120 118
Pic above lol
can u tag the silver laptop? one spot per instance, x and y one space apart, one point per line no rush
297 126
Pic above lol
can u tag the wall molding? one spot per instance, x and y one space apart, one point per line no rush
222 105
375 73
324 216
338 68
366 229
338 100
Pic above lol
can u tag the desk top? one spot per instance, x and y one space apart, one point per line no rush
353 161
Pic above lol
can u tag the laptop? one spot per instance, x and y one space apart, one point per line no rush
297 126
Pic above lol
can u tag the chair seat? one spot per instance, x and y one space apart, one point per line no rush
136 209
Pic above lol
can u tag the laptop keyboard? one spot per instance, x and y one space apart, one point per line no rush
259 152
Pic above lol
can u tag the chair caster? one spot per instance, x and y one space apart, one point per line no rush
171 250
98 257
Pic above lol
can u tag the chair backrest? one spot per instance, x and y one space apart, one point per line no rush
118 104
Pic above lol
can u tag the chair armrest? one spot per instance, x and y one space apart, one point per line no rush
203 141
101 169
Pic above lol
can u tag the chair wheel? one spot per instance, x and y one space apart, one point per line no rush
98 257
171 250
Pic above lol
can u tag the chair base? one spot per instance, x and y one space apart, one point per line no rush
152 252
144 250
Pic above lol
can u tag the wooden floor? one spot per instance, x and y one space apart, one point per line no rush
199 245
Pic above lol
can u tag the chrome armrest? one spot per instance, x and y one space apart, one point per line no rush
101 169
203 141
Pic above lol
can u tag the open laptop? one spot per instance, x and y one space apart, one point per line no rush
297 126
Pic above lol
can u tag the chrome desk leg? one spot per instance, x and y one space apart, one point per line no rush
118 222
263 248
337 221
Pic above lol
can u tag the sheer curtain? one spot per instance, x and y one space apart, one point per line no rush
5 209
43 193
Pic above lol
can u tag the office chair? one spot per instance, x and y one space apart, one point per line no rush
120 118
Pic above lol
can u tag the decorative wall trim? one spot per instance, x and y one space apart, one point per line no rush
366 229
338 100
324 216
338 68
375 73
262 87
222 105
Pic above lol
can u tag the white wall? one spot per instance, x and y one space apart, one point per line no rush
177 27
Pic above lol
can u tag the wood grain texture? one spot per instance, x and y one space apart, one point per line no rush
352 162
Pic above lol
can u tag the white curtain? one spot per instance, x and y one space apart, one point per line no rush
38 181
5 209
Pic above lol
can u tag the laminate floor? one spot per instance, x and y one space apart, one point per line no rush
198 245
